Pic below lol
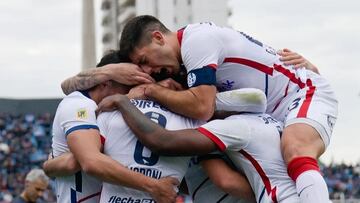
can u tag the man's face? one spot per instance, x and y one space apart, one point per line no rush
35 189
156 57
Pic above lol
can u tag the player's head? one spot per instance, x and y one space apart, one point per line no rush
113 57
110 87
36 183
151 45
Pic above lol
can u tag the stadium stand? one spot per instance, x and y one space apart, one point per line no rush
343 181
25 142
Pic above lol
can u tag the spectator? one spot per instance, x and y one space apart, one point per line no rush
36 183
23 146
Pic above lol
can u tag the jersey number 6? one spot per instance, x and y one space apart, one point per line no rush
143 158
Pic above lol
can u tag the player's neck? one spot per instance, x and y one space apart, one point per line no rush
95 95
174 43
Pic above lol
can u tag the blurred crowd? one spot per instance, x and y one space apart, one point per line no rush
25 142
343 180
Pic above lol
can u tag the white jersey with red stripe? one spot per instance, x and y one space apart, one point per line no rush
75 112
252 142
230 60
201 188
123 146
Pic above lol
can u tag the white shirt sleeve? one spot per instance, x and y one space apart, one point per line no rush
232 134
77 113
201 51
202 47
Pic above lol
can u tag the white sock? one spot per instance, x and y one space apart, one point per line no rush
311 187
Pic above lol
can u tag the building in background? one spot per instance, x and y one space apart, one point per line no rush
88 59
115 13
173 13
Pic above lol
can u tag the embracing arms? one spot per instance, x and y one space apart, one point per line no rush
153 136
124 73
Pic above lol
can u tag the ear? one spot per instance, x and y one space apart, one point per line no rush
158 37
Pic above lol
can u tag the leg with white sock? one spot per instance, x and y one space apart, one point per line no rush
301 146
310 184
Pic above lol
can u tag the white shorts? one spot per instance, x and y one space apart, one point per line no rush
315 105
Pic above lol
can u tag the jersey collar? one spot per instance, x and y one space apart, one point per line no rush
85 93
180 34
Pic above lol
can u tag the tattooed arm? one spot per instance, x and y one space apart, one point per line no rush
124 73
84 80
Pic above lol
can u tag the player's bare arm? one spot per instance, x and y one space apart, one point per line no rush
197 102
159 140
85 145
63 165
228 179
84 80
124 73
292 58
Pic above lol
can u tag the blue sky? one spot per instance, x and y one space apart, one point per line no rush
40 46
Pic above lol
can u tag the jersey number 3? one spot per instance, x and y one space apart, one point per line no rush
146 157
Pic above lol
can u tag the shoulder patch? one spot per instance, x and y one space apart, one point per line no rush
82 114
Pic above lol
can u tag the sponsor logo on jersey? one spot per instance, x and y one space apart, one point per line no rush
117 199
191 79
82 114
147 104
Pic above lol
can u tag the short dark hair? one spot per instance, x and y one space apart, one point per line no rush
138 30
111 57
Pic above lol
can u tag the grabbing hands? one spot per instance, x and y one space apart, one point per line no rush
128 73
289 57
163 191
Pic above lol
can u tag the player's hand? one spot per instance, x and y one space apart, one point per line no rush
170 84
137 92
110 103
289 57
163 190
128 74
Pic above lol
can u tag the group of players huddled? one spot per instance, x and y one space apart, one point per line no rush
214 109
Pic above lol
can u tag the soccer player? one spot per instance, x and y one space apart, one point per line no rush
123 151
75 129
202 193
252 141
121 145
219 58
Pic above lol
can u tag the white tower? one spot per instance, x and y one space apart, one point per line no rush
88 35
